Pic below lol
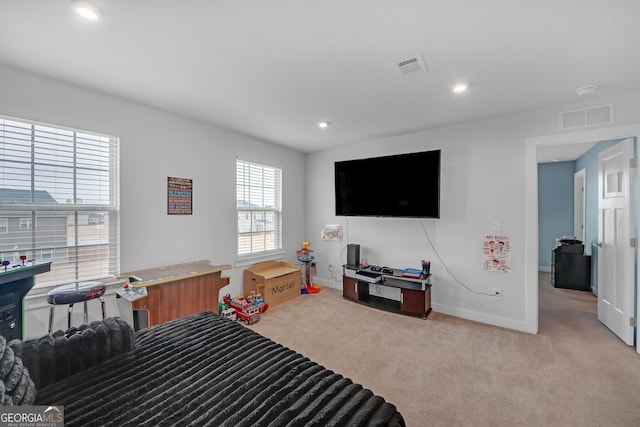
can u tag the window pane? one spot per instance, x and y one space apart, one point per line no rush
258 195
62 206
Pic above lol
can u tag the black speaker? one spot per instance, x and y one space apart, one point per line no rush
353 254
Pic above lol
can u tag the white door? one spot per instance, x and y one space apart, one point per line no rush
579 183
615 254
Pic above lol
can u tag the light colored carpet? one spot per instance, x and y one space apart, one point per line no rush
446 371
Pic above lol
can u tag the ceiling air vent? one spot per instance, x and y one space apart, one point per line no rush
412 65
586 117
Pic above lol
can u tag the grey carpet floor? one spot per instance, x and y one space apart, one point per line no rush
446 371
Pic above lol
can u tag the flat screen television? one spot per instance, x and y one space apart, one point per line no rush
402 185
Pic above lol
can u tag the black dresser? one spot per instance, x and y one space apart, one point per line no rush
570 267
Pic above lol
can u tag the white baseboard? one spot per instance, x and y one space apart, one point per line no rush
515 324
327 283
544 269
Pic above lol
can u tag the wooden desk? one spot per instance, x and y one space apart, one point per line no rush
178 290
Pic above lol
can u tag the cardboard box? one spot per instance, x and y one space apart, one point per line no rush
277 281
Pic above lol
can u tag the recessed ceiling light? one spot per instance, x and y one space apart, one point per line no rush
586 90
323 124
86 10
460 87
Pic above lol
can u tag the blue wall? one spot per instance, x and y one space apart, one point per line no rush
555 200
555 206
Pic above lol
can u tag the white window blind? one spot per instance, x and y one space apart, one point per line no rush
59 200
259 204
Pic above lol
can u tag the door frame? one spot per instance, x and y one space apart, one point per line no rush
531 204
579 203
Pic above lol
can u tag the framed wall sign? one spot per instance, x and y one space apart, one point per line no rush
179 196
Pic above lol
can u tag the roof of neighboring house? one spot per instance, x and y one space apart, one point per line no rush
245 204
248 205
10 196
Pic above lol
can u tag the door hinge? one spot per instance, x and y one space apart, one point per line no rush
633 163
632 321
634 242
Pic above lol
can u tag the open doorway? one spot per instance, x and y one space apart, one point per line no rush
534 146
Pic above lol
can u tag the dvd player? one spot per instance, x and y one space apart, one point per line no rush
368 276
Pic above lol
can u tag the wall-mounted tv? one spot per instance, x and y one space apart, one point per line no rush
402 185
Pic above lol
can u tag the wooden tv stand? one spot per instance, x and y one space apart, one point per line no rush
414 293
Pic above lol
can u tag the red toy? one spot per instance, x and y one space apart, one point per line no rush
258 301
244 311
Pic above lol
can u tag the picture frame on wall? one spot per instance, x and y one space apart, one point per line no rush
179 196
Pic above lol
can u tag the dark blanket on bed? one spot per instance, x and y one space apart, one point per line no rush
206 370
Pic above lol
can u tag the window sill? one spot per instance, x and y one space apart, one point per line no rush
252 259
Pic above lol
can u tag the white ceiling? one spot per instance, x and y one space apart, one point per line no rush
562 152
272 69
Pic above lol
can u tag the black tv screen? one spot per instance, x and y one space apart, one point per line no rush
402 185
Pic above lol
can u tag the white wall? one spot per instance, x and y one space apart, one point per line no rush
483 181
484 170
154 145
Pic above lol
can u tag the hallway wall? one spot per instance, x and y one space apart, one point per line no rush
555 207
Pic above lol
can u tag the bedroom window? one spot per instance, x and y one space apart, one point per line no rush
54 183
259 206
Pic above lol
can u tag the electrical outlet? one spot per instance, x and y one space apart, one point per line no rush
497 293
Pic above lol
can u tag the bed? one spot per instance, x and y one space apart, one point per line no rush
202 369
